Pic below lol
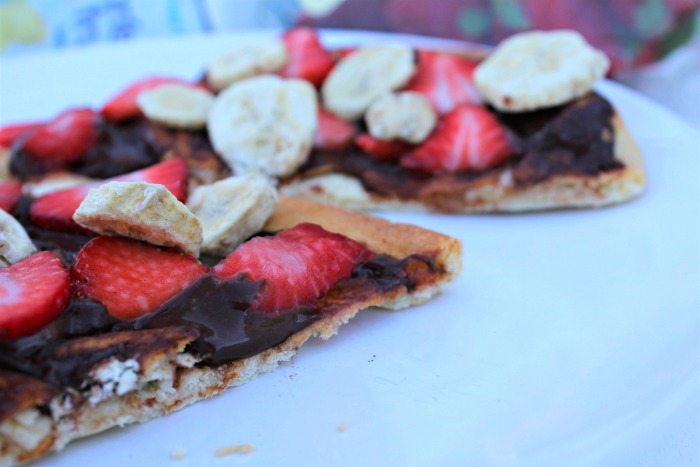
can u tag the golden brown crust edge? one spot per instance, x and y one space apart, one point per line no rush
192 383
496 193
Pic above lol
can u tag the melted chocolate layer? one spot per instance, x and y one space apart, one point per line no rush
214 316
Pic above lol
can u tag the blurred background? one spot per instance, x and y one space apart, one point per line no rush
654 45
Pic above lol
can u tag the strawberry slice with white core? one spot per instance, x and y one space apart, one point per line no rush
129 277
66 138
33 292
298 265
470 137
445 79
306 57
54 211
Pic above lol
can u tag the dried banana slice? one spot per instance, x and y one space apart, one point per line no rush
539 69
177 105
143 211
231 210
405 116
15 244
53 182
247 60
264 123
366 74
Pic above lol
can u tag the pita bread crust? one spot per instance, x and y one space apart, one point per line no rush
496 192
181 385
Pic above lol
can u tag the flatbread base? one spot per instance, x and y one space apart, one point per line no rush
169 379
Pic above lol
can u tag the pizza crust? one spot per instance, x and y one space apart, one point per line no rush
169 378
496 192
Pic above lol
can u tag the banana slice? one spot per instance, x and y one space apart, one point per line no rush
5 173
365 75
231 210
539 69
247 60
406 116
177 105
264 123
15 244
143 211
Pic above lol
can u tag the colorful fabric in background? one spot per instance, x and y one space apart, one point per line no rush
632 32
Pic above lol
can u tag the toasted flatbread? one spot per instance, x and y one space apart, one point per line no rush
137 375
494 192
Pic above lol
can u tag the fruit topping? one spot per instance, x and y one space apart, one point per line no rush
54 211
306 57
124 106
10 133
298 265
366 74
405 116
10 192
33 292
142 211
66 138
264 124
231 210
445 79
245 60
539 69
15 244
176 105
380 149
333 132
468 138
129 277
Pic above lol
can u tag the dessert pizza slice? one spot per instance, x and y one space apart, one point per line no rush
98 331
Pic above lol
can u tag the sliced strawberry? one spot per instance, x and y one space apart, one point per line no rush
333 132
66 138
10 133
123 106
467 138
54 211
306 57
32 293
10 192
171 173
381 149
131 278
445 80
299 265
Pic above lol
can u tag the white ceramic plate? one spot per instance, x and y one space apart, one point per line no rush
571 338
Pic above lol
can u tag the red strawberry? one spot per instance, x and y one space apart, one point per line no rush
131 278
445 79
333 132
468 138
123 106
381 149
66 138
10 193
298 265
9 133
306 57
54 211
32 293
